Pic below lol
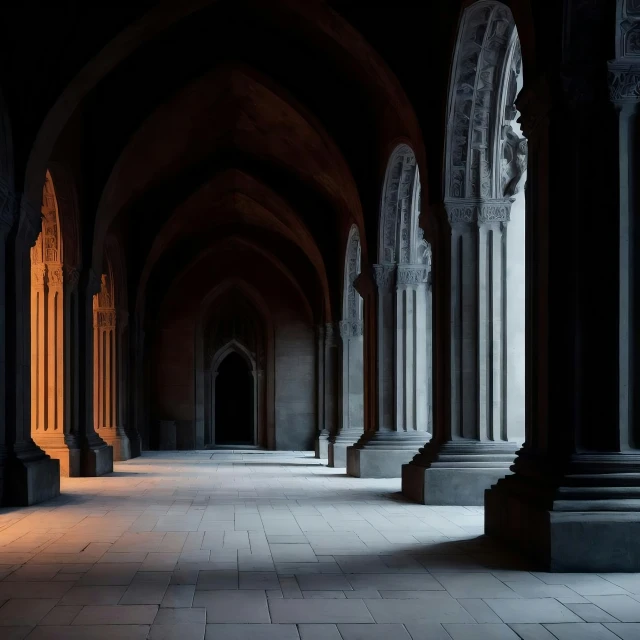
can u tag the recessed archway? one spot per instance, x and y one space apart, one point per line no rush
234 396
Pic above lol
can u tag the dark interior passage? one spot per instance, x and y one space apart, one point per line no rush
234 402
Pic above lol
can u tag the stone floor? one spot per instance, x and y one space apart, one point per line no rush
272 546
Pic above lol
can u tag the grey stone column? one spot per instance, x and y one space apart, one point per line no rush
331 400
97 455
625 95
572 501
458 466
381 451
136 406
32 475
322 438
352 415
7 220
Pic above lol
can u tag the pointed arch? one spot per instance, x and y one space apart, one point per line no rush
399 210
352 302
483 156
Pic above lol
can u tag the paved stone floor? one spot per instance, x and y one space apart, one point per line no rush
273 546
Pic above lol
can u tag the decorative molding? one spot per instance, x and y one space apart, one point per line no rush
39 274
624 82
478 212
411 275
54 275
330 334
104 318
350 329
384 276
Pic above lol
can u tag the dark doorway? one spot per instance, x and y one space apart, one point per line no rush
234 402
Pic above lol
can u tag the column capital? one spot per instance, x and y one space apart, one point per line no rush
624 83
468 211
350 329
383 275
105 318
55 276
39 274
411 275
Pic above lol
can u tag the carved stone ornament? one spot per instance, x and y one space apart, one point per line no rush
482 212
38 274
384 276
345 329
350 329
624 83
411 275
54 275
104 318
7 207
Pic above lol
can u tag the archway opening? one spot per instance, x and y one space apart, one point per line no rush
234 402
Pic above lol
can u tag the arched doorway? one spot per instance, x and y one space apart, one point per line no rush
234 396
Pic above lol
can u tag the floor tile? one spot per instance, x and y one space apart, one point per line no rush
234 606
319 632
626 631
140 614
582 631
319 611
24 611
480 632
395 581
373 632
183 631
404 611
93 595
251 632
181 616
93 632
532 610
623 608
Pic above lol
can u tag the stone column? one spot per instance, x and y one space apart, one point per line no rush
107 381
322 439
33 475
396 437
572 502
458 466
7 220
97 455
50 366
352 415
331 401
136 406
71 372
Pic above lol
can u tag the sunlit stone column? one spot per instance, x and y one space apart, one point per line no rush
33 475
352 415
97 455
397 436
456 467
106 380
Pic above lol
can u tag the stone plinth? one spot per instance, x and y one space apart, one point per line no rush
381 454
33 479
338 446
456 473
120 443
322 445
586 519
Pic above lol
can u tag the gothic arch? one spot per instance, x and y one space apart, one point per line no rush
399 209
262 359
233 346
484 158
352 302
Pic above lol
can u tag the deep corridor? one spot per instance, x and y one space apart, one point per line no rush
277 546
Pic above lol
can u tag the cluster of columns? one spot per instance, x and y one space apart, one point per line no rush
400 420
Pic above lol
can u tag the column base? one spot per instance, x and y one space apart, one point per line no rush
31 477
456 473
322 445
97 458
584 519
338 446
381 454
65 450
121 445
